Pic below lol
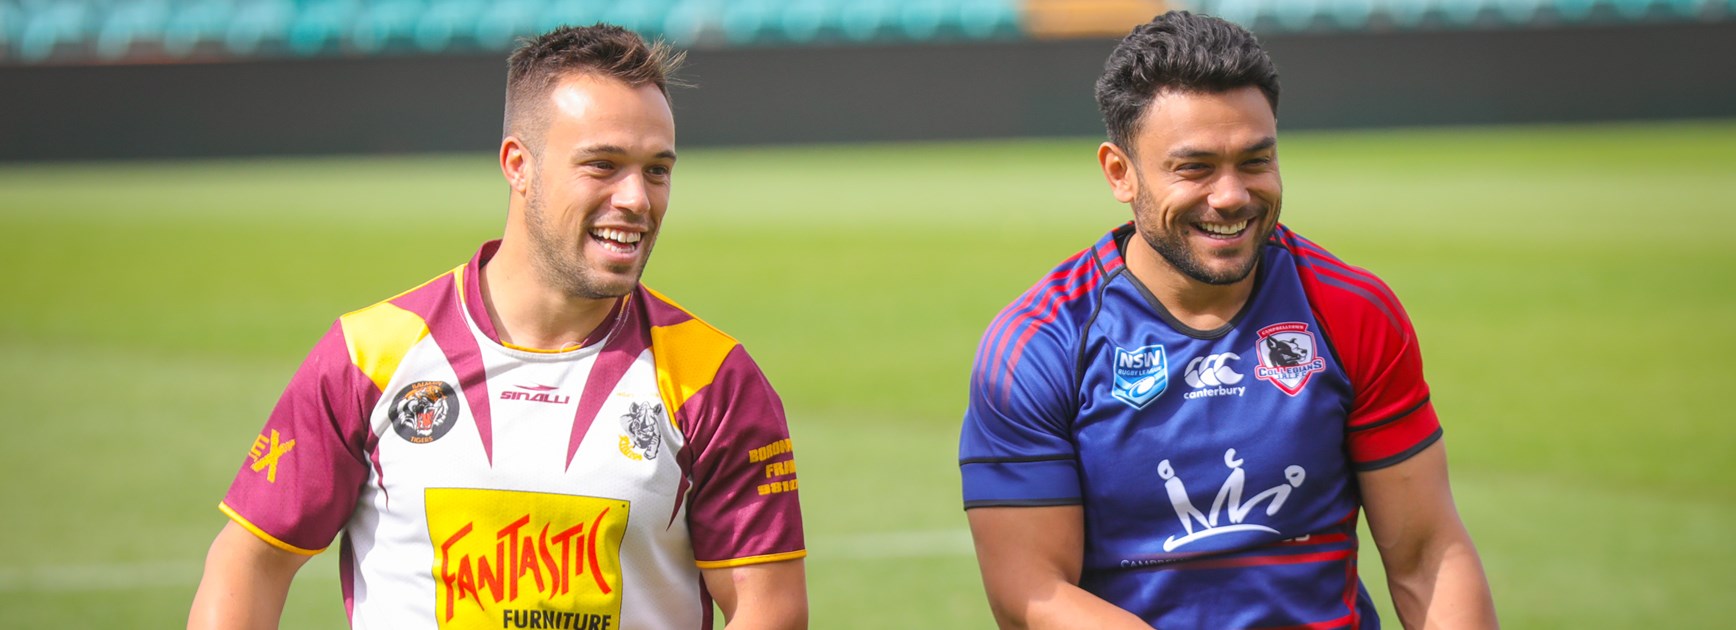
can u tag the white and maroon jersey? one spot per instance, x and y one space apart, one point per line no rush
481 485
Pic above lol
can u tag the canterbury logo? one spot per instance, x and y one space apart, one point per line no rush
1212 371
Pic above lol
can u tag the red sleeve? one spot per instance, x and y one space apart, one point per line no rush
743 508
304 471
1391 417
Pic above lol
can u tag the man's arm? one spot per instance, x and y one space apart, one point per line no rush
755 596
246 581
1031 559
1432 568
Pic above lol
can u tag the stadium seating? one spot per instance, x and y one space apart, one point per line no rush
80 31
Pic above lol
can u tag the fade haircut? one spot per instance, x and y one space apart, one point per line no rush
1180 52
601 49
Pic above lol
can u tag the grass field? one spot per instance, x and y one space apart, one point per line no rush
1574 288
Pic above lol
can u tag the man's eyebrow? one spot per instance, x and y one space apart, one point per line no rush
1189 153
610 149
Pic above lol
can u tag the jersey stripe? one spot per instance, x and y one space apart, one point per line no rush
1048 316
435 303
1041 305
1001 329
611 365
740 562
1326 266
1310 271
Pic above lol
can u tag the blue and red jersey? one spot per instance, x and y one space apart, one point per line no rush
1215 467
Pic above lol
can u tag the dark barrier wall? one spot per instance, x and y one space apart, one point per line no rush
833 94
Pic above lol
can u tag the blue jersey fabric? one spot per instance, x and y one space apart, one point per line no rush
1215 468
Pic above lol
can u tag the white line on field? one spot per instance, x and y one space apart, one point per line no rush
184 574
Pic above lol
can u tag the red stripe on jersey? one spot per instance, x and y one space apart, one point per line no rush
1109 255
1048 315
1039 302
1265 561
999 328
1341 622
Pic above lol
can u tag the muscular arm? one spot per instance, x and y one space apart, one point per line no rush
246 581
755 596
1031 559
1432 568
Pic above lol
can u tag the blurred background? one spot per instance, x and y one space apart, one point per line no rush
191 190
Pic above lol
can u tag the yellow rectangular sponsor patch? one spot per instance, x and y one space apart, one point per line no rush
509 559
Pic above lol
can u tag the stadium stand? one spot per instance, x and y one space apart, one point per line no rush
147 31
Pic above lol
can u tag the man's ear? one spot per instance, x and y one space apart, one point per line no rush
1119 170
516 164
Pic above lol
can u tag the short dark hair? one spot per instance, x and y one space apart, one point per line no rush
602 49
1179 51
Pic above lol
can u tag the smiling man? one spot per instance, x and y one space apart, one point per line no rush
533 439
1181 425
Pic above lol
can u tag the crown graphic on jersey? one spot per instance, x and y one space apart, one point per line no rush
1228 503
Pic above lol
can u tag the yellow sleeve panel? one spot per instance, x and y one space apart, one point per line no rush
379 336
687 356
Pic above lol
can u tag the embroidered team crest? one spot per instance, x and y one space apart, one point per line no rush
643 424
424 411
1140 375
1288 356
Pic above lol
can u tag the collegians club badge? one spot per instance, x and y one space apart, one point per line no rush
1288 356
424 411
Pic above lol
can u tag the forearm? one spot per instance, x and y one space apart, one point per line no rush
1443 587
1062 605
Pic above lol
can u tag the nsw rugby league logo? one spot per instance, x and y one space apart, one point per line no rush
424 411
1288 356
1140 375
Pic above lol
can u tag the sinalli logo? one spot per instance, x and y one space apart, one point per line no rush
1140 375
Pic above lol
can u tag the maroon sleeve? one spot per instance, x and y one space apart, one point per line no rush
743 508
304 471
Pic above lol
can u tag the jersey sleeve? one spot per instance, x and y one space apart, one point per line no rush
303 472
743 508
1016 446
1391 417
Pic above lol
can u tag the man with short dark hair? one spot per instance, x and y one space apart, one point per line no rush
1180 425
533 439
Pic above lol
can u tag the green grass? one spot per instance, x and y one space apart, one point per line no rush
1573 287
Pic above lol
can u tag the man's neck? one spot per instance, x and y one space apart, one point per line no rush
1195 304
529 313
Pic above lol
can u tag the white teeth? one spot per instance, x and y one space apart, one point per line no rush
1225 230
619 236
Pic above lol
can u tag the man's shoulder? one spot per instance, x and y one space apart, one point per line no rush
1064 297
1338 290
403 314
666 316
